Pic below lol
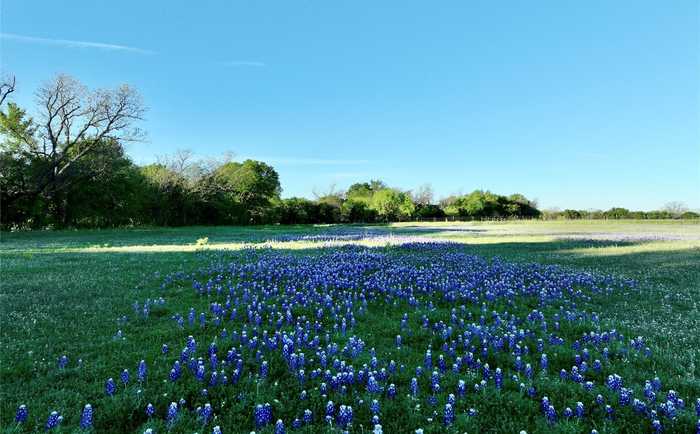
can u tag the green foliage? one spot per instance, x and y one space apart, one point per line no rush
617 213
484 204
392 205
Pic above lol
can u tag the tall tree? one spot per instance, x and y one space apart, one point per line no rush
72 123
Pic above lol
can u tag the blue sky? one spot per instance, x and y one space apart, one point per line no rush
578 104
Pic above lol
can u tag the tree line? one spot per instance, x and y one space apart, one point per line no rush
66 166
672 210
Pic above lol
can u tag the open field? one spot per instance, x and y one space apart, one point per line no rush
437 285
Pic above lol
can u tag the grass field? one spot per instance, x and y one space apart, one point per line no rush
70 292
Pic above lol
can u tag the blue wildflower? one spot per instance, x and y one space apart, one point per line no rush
53 420
141 371
86 417
22 414
172 413
308 416
449 415
110 387
279 427
124 376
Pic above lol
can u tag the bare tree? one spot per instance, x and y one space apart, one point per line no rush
675 208
72 123
186 164
328 193
7 86
423 195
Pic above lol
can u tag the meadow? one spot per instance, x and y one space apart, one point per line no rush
562 326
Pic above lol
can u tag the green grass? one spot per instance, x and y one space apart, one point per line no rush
62 293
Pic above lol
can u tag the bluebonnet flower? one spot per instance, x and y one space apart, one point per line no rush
451 399
461 388
531 391
279 427
200 372
124 376
141 371
86 417
374 407
172 413
625 396
373 385
345 416
391 391
150 410
110 387
206 413
264 369
449 415
544 362
656 426
216 430
164 349
62 362
414 386
398 341
639 406
697 407
54 420
568 412
262 415
308 416
472 412
498 378
22 414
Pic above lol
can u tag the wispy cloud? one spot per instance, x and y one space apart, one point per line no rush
243 63
293 161
73 44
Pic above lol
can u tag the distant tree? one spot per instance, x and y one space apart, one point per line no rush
167 201
690 215
617 213
675 208
392 205
571 214
357 211
360 191
429 211
423 195
252 184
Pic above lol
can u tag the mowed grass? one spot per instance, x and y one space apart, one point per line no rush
63 292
